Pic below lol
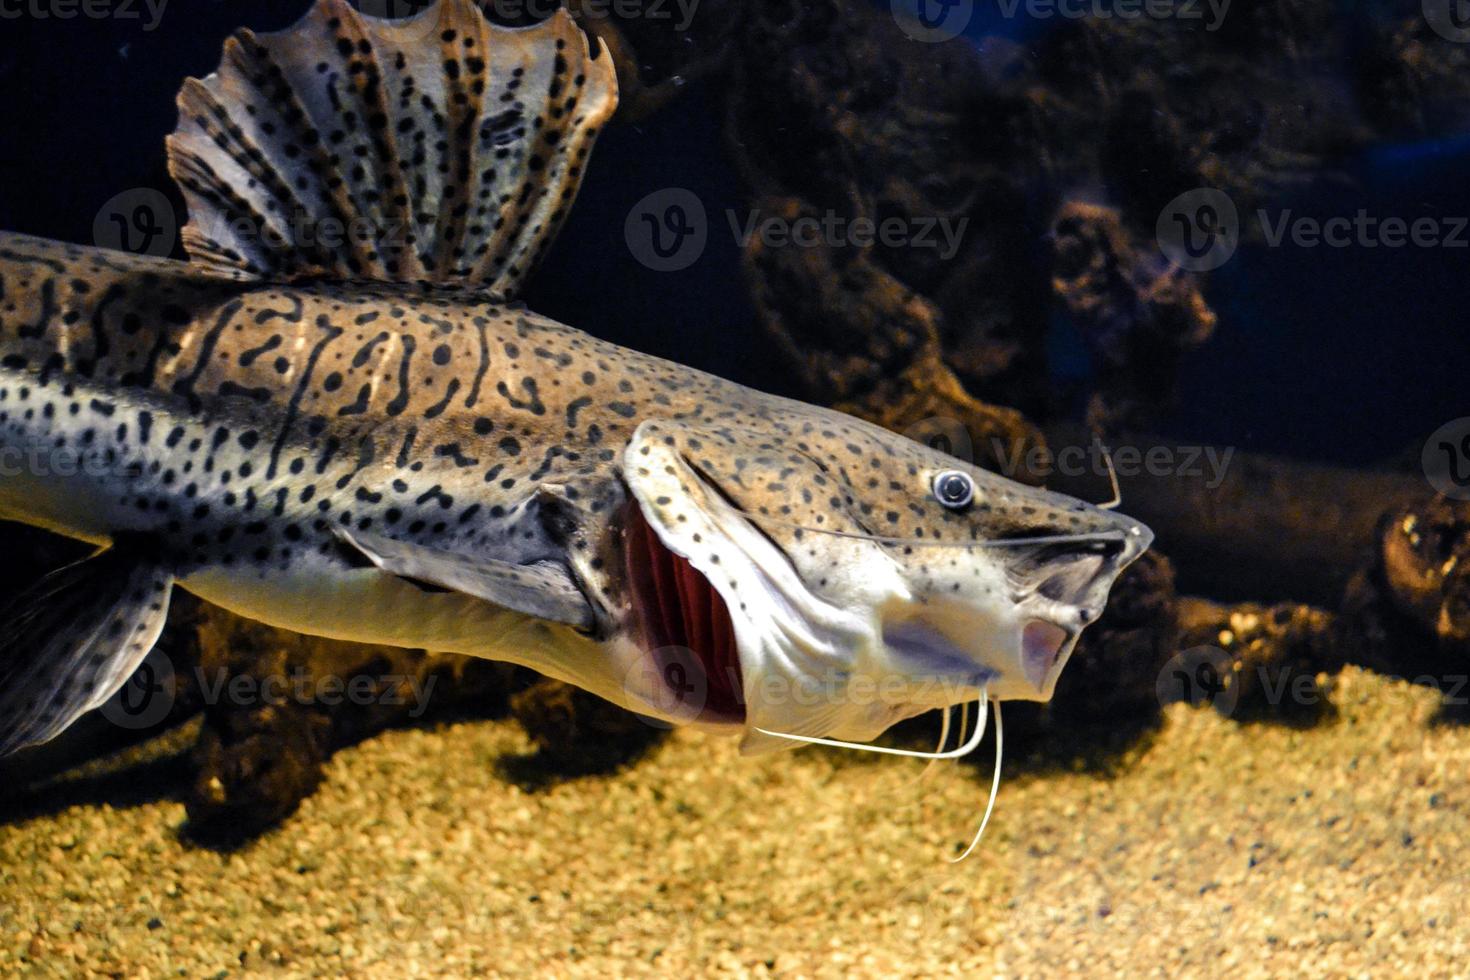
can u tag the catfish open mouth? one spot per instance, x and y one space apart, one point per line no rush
682 622
1043 644
1069 595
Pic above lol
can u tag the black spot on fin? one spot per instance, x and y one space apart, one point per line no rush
543 589
435 148
70 641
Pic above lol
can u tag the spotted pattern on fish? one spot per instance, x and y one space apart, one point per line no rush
267 452
376 442
472 191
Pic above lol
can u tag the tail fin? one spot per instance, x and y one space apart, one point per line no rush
439 148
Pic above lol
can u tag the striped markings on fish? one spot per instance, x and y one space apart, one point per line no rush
368 438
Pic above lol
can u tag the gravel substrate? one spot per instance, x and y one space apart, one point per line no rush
1213 848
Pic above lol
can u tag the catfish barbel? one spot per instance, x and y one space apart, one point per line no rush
368 439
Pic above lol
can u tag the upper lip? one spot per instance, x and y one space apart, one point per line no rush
1070 584
1078 567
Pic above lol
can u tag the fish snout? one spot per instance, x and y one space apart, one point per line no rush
1005 615
1061 588
1079 572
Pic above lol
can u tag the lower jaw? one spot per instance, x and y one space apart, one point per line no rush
1042 646
924 651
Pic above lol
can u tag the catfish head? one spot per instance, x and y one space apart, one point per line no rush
806 573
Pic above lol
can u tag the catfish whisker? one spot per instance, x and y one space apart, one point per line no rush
1112 477
969 746
944 722
937 543
994 789
956 753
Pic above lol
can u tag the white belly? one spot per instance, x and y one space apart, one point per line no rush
370 606
364 605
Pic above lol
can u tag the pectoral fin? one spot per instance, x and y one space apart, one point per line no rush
543 589
68 643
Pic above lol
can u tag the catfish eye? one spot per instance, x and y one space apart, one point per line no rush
954 489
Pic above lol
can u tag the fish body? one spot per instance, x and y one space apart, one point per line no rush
381 445
238 425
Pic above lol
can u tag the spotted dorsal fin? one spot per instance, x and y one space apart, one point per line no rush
438 148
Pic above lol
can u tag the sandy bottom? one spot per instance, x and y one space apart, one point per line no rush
1212 848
